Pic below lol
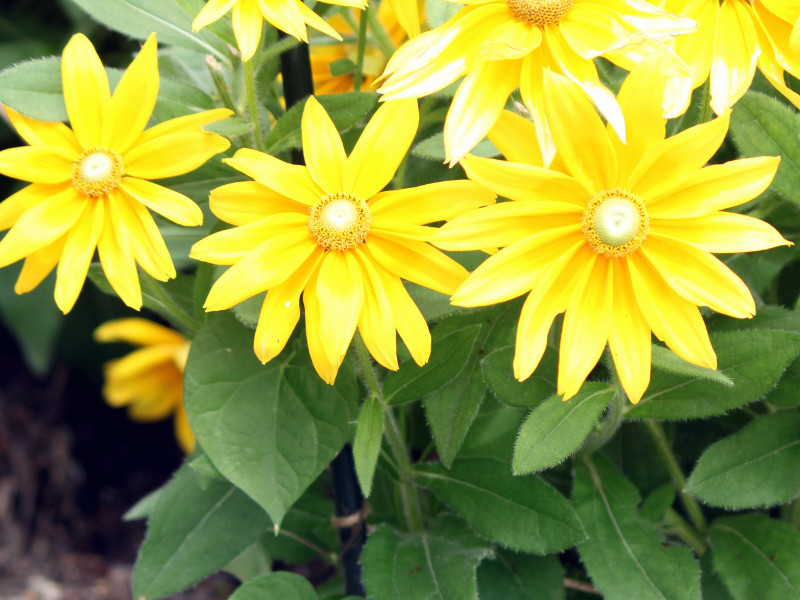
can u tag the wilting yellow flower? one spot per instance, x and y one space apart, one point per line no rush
733 37
620 242
290 16
89 185
149 381
322 55
504 44
326 230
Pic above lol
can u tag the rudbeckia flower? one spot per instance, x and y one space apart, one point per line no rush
733 37
322 55
328 232
290 16
620 242
504 44
89 184
149 381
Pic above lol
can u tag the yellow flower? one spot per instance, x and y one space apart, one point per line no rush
733 37
290 16
322 55
326 230
149 381
89 185
620 241
504 44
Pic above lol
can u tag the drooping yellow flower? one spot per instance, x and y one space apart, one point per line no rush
733 37
89 184
322 55
620 241
504 44
326 230
149 381
290 16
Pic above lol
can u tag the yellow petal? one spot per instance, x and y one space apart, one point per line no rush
322 148
147 245
314 20
376 322
340 293
183 432
17 204
373 162
86 91
629 338
325 368
39 265
212 11
247 23
292 181
41 225
119 265
579 134
77 255
593 29
286 15
587 322
697 48
281 311
172 154
37 164
531 84
671 318
440 201
408 319
736 55
245 202
137 332
407 14
44 133
133 100
512 40
515 137
721 232
169 204
477 105
187 124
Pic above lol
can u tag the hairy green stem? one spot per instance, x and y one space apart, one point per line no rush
606 430
676 474
279 47
250 86
379 33
678 527
362 44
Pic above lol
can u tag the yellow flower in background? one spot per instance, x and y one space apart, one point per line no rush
290 16
328 232
89 185
733 37
149 381
620 242
504 44
322 55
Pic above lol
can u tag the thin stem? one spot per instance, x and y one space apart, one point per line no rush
279 47
358 75
367 371
250 86
705 103
329 556
678 527
380 35
676 474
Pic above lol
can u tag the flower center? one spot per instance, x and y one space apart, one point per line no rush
539 12
339 221
615 223
97 172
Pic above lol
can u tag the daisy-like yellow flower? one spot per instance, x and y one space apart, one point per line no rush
620 241
322 55
328 232
290 16
89 184
733 38
149 381
504 44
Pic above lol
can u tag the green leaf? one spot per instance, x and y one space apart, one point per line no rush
437 12
251 562
345 110
497 370
432 148
666 360
514 576
756 466
624 555
438 564
451 408
754 359
757 557
493 432
143 508
657 502
276 586
367 442
764 126
230 127
168 20
204 470
34 88
270 429
521 513
342 66
555 429
193 533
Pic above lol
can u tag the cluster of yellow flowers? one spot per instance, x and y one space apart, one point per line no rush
611 223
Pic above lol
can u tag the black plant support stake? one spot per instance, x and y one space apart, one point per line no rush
297 85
